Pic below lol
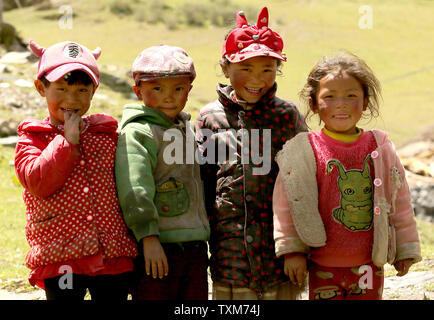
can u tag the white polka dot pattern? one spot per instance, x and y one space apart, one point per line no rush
82 217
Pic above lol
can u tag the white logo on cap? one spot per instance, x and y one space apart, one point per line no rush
72 51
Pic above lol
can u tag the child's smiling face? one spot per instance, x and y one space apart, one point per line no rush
251 78
62 97
340 102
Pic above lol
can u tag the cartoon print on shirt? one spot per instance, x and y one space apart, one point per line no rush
326 292
355 186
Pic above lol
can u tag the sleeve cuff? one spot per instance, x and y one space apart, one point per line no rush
409 250
290 245
140 232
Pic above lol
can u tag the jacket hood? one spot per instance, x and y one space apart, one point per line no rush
134 112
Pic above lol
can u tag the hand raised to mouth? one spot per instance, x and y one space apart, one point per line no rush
72 125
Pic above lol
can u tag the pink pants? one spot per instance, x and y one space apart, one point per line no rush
352 283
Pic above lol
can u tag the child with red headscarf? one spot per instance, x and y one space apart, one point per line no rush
252 123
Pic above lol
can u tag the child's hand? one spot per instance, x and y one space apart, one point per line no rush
72 126
155 258
295 268
402 266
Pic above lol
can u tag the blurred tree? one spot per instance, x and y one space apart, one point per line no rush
1 12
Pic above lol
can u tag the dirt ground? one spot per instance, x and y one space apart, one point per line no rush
417 285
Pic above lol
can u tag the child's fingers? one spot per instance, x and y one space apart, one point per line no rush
66 116
165 267
147 267
71 116
74 118
154 269
300 274
293 276
286 270
401 267
402 271
160 269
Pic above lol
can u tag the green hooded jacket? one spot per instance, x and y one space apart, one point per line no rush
158 181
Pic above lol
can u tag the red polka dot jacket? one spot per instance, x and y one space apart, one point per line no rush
238 192
70 193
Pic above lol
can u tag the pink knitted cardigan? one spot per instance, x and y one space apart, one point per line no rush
297 222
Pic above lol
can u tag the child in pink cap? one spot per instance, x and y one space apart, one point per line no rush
238 188
78 239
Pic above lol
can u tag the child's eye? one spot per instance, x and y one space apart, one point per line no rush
60 89
84 90
179 89
157 88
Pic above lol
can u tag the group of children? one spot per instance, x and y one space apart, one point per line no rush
116 212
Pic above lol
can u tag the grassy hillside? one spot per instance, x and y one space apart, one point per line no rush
399 49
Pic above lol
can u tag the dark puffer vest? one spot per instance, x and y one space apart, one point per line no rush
238 191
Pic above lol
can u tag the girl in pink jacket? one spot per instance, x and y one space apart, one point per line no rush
341 202
77 236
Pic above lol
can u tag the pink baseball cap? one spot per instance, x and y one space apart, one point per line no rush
248 41
64 57
162 61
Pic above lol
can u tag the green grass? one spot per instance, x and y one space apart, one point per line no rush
398 48
12 221
426 235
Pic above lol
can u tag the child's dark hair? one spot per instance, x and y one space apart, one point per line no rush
353 66
73 77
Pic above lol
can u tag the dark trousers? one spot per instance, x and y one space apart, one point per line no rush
101 288
187 278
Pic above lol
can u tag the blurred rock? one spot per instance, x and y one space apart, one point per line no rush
9 141
116 83
23 83
8 127
422 198
417 157
13 102
14 57
4 68
414 278
21 102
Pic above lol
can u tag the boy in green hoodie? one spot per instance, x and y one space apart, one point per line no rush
161 196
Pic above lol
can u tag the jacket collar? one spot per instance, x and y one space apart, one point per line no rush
93 123
224 96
